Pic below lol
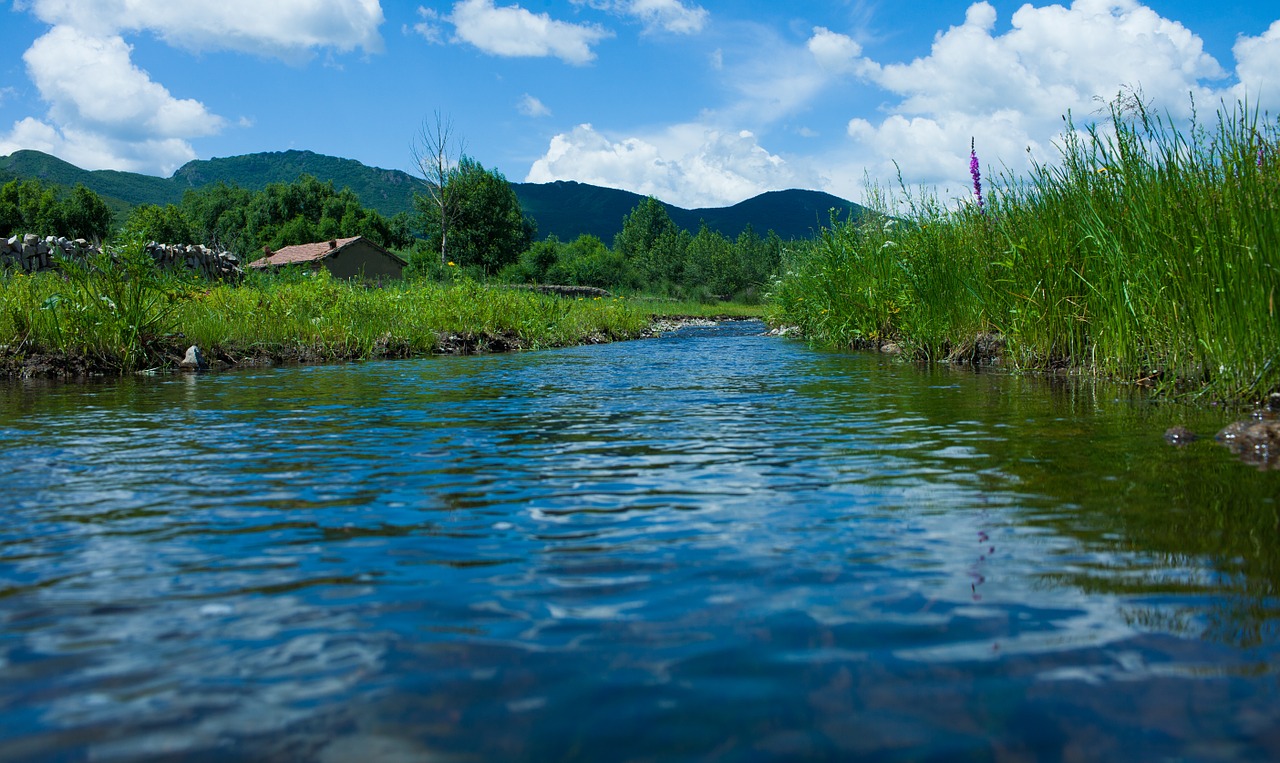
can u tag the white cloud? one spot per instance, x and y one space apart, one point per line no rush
430 27
1009 89
833 51
1258 67
92 150
668 15
280 28
90 83
690 165
512 31
532 107
105 112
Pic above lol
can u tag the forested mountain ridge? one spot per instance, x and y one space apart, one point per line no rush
564 209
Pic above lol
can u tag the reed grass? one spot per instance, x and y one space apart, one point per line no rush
1148 252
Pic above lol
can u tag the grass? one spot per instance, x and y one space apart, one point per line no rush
1148 252
119 320
665 308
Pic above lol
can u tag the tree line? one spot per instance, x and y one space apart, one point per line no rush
29 206
479 229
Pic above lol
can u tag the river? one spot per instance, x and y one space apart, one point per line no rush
715 545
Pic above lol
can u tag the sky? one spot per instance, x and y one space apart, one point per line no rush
698 102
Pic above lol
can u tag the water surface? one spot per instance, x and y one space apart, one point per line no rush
715 545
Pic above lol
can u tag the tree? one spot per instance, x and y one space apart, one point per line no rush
437 152
651 243
31 207
166 225
488 227
85 215
283 214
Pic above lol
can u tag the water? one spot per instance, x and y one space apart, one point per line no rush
711 546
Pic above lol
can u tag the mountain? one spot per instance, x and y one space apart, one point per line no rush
388 191
564 209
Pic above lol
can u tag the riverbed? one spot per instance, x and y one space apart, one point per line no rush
713 545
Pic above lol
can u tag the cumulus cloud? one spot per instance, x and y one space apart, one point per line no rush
690 165
281 28
532 107
833 51
512 31
105 112
1258 67
666 15
1009 89
91 83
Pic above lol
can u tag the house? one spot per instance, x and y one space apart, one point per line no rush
355 257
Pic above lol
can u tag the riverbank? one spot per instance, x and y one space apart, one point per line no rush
1148 254
55 325
106 323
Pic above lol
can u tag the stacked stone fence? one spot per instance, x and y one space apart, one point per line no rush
31 254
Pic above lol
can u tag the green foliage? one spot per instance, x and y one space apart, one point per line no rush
31 207
282 214
166 225
487 227
588 262
114 304
1148 252
651 243
120 310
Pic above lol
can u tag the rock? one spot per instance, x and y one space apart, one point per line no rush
1179 435
194 360
1256 441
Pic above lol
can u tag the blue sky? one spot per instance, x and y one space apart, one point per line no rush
699 103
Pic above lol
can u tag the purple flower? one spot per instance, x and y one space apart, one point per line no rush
1260 152
977 175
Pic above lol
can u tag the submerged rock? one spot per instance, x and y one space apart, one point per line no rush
1179 435
1256 440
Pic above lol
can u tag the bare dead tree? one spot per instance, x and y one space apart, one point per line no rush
437 151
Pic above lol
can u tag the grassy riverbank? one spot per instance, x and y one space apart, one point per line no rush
1147 253
127 316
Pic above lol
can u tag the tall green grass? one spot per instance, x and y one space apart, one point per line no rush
1147 252
302 316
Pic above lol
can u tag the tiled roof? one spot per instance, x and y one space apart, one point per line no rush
302 253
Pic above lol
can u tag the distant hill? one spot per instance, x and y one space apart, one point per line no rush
563 209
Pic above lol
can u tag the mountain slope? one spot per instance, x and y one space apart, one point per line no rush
564 209
387 191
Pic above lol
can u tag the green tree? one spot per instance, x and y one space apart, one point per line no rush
283 214
32 207
712 265
217 215
165 225
85 215
652 244
759 257
588 262
488 228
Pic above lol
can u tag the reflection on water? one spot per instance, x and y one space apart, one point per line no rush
715 545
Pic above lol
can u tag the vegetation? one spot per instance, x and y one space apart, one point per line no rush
651 255
33 207
482 220
1149 253
118 313
282 214
565 210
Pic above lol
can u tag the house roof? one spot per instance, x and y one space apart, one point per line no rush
290 255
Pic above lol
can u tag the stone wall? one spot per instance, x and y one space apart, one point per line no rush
30 254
